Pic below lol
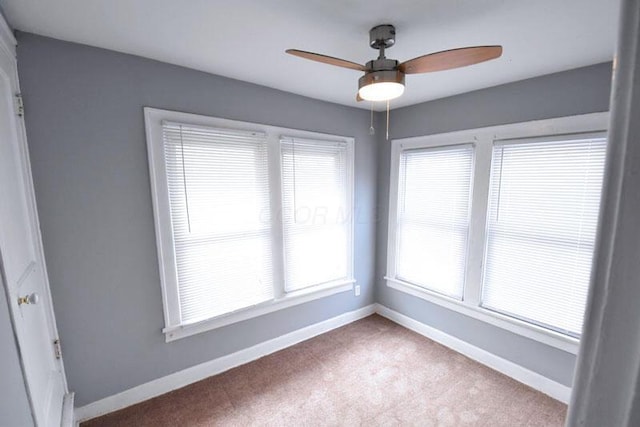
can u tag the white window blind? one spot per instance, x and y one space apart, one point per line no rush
219 196
433 217
316 212
543 210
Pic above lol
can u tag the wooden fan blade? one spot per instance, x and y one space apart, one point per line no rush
448 59
326 59
359 98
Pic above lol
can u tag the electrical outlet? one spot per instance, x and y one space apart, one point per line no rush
357 290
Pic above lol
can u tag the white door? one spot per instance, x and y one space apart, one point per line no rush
22 263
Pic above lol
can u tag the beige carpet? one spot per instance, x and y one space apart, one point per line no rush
370 373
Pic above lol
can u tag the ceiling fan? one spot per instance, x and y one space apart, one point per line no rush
384 78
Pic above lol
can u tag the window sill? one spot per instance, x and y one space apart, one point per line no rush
534 332
173 333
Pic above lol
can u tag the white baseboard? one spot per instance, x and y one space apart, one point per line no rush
199 372
532 379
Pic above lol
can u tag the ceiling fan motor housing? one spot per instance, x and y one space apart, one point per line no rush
382 36
384 76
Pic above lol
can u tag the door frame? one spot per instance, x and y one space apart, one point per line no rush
8 63
607 376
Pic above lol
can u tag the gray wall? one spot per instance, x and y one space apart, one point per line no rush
88 153
14 403
580 91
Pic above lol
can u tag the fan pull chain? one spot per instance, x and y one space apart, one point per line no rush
372 131
387 120
184 183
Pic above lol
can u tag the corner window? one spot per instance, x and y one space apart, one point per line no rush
248 220
515 249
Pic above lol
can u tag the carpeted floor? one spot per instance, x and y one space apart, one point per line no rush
370 373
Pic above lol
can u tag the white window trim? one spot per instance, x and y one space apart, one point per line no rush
174 329
483 140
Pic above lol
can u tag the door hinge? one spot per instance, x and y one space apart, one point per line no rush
57 350
19 104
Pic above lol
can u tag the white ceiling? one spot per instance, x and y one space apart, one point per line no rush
246 39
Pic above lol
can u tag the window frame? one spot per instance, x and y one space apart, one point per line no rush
174 328
349 199
483 140
524 141
434 147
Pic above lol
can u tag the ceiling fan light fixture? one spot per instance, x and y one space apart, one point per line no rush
381 85
384 91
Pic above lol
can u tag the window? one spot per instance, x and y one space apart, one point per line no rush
219 195
543 214
316 216
500 223
248 221
433 217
